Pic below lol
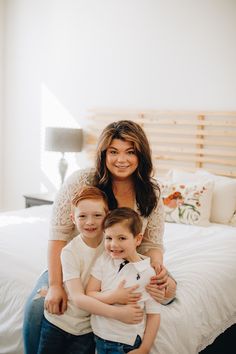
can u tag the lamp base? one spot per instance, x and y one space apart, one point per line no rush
63 166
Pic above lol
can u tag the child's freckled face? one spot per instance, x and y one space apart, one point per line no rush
89 216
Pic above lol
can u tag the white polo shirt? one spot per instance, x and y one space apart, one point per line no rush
107 271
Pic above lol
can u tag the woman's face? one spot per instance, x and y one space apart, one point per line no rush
121 159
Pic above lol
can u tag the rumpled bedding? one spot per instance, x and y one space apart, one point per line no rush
201 259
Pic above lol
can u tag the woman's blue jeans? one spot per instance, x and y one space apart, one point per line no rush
33 316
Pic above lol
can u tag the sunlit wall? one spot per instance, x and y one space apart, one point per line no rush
64 57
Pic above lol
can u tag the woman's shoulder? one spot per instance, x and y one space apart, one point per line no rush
76 180
81 177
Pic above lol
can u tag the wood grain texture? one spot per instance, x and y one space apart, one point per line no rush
178 139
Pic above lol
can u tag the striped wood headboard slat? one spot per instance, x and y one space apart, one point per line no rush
181 139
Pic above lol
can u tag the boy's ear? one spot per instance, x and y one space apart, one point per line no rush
139 238
72 218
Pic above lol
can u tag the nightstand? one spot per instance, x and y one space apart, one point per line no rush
38 199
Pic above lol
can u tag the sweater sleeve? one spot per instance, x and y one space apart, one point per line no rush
61 225
153 234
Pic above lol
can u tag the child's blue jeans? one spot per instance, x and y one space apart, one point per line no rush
104 346
55 340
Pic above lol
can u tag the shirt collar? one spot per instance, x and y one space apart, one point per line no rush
139 266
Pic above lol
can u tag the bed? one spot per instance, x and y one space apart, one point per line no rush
199 252
202 259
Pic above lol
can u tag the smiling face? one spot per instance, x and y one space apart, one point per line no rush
88 216
120 243
121 158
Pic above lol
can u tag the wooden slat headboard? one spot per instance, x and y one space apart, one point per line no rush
186 140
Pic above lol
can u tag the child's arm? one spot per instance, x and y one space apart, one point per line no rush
119 295
152 326
130 314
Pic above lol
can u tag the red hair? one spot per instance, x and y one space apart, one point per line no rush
89 192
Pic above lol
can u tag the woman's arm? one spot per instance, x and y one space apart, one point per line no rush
161 277
152 326
152 246
128 314
152 243
56 298
156 255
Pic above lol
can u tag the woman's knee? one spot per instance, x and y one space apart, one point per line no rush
35 304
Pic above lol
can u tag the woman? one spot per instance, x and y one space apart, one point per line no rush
123 171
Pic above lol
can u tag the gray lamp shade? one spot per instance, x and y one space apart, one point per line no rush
63 139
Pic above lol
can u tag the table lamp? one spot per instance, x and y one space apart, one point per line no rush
63 140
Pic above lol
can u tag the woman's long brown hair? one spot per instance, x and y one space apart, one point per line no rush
145 186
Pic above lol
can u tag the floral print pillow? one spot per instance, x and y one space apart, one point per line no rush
187 203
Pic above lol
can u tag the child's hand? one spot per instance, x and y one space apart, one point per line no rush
128 295
130 314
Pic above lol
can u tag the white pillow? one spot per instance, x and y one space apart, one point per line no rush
224 193
187 203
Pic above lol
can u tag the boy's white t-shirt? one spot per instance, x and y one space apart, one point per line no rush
77 259
107 271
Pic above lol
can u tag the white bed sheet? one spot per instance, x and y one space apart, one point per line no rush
23 249
202 259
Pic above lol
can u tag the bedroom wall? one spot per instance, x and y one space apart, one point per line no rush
64 57
1 98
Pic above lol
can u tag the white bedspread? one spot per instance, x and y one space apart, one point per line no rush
202 259
23 249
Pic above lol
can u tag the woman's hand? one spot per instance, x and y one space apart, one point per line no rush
158 283
161 276
156 293
126 295
56 300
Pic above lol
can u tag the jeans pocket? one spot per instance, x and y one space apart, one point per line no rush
127 348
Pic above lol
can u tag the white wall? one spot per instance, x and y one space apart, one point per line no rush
66 56
1 97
